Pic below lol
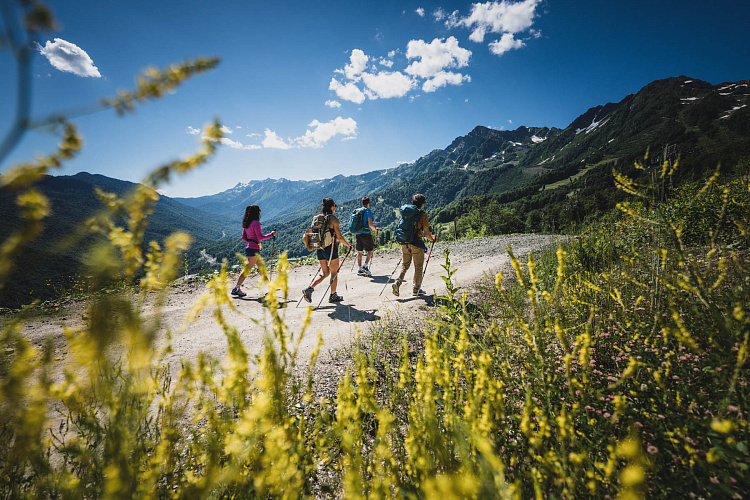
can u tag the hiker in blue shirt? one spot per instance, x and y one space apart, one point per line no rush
366 240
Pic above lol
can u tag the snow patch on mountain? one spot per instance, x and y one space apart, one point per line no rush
593 125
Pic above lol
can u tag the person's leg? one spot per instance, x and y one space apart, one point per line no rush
367 258
418 255
251 261
324 271
334 267
359 259
405 263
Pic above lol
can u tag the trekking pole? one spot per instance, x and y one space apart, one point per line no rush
389 276
308 286
425 265
334 277
273 253
354 261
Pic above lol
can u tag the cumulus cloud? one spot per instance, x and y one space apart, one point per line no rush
226 130
348 92
69 57
420 12
273 141
502 17
333 104
318 134
507 42
386 84
193 130
236 144
386 62
435 56
444 78
357 64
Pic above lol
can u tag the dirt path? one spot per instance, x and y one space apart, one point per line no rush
338 323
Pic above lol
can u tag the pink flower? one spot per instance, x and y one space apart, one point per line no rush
714 480
652 449
639 425
607 415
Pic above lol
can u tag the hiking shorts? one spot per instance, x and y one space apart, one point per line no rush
365 242
251 252
325 253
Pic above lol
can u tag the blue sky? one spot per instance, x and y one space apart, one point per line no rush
314 89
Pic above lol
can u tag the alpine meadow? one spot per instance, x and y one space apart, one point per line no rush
573 317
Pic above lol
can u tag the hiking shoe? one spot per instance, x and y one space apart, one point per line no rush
361 272
364 272
395 289
239 293
419 292
335 297
307 293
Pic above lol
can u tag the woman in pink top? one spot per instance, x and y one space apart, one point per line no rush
252 235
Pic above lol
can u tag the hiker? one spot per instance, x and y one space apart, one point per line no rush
366 239
328 257
252 235
409 232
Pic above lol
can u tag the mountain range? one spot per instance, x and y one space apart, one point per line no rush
563 174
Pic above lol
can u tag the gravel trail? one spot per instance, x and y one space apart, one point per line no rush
339 324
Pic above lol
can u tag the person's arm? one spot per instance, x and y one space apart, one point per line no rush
371 225
426 227
337 231
265 236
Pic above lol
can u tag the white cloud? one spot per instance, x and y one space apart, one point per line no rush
69 57
357 64
392 54
252 135
273 141
347 92
237 145
193 130
444 78
510 121
420 12
320 133
507 42
333 104
435 56
388 84
439 14
226 130
386 62
500 17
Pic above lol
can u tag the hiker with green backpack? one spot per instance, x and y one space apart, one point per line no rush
322 236
409 232
360 225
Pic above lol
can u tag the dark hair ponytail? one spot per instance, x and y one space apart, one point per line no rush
328 205
252 212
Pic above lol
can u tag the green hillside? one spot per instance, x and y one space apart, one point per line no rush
52 263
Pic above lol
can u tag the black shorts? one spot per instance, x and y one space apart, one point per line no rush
325 253
251 252
365 242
